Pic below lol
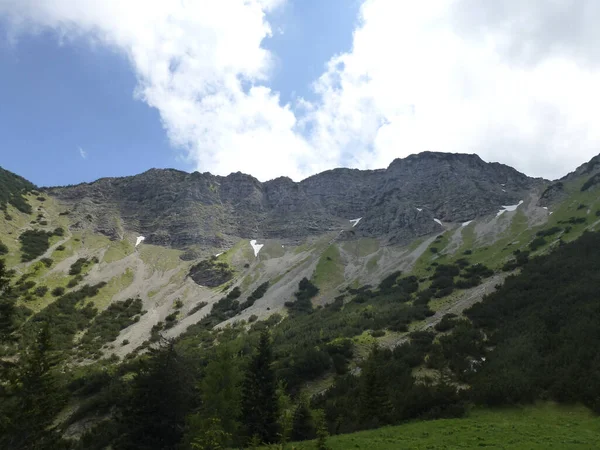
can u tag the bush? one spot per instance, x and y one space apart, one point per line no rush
78 266
252 318
59 232
377 333
258 293
60 248
3 248
47 262
178 304
197 308
58 291
40 291
537 243
34 243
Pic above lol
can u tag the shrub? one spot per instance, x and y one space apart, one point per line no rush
178 304
537 243
59 231
125 342
47 261
197 308
253 318
377 333
258 293
60 248
3 248
78 266
40 291
58 291
34 243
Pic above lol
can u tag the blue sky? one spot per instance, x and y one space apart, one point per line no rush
293 87
59 97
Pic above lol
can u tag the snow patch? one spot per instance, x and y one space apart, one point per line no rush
503 190
355 221
419 209
466 223
438 221
218 254
509 208
502 184
139 240
256 247
545 207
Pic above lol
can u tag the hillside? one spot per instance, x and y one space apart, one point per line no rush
224 258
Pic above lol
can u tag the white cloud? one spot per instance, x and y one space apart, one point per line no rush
82 152
516 84
416 81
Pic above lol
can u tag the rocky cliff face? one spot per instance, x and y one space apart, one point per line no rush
178 209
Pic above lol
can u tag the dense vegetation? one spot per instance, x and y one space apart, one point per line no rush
12 188
536 338
211 272
34 243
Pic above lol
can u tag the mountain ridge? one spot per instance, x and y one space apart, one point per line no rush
238 205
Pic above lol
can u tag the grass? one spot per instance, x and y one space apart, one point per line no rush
117 251
112 288
160 258
532 428
330 269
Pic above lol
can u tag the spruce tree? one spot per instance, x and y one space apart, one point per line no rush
154 416
38 398
259 395
302 423
375 406
7 304
220 392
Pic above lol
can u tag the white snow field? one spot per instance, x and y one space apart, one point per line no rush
139 240
256 247
355 221
509 208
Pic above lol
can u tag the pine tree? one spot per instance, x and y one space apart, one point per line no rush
154 416
259 395
321 430
38 397
375 406
303 427
220 394
7 304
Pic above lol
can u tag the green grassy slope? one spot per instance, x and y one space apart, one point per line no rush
542 427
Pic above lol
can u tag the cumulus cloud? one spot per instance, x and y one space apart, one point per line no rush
513 81
466 76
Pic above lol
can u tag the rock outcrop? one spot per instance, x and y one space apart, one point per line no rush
179 209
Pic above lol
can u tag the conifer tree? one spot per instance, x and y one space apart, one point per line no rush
217 419
154 416
375 406
302 426
7 304
38 397
259 395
